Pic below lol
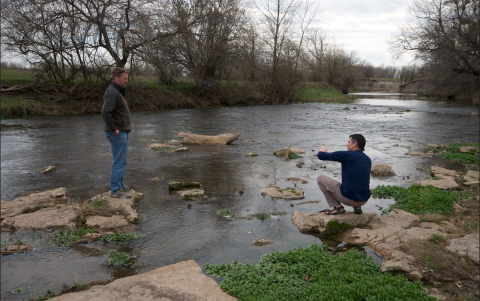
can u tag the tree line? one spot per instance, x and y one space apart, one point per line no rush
272 44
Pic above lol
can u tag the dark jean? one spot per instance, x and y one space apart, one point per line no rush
119 146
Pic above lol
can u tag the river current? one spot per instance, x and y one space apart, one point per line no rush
392 124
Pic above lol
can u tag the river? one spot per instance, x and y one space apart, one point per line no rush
77 146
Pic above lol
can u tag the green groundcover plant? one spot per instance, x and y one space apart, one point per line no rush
314 273
418 199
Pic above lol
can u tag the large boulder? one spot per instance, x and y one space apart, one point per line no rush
180 281
206 139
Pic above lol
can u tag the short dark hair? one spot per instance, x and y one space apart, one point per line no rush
360 141
116 71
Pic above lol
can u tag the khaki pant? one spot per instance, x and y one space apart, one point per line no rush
331 189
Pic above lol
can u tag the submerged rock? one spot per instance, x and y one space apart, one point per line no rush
275 192
261 242
48 169
14 249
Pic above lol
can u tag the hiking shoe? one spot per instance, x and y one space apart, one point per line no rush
126 188
119 194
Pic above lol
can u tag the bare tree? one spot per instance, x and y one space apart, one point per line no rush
445 36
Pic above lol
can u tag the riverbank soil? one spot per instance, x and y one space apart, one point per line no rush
449 275
28 100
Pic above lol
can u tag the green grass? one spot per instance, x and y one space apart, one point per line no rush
17 76
318 94
314 273
178 85
418 199
19 107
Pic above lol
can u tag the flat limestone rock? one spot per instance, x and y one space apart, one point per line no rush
319 222
206 139
417 153
14 249
60 216
180 281
53 215
447 183
104 222
437 171
45 198
466 246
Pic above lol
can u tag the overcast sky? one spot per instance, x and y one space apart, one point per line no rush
365 26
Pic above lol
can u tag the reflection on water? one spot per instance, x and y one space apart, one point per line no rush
77 146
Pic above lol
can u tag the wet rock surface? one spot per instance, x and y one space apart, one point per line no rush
180 281
276 192
382 170
227 138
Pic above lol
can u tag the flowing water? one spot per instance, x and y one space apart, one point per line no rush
77 146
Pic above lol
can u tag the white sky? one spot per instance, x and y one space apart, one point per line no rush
365 26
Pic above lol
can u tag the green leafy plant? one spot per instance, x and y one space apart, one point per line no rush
119 237
294 155
226 212
417 199
47 296
118 258
65 237
314 273
18 243
20 290
452 152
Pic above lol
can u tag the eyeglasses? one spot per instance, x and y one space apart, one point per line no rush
122 71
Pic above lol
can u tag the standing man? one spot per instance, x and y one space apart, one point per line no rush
355 187
116 117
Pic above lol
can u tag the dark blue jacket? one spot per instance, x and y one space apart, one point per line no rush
356 168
